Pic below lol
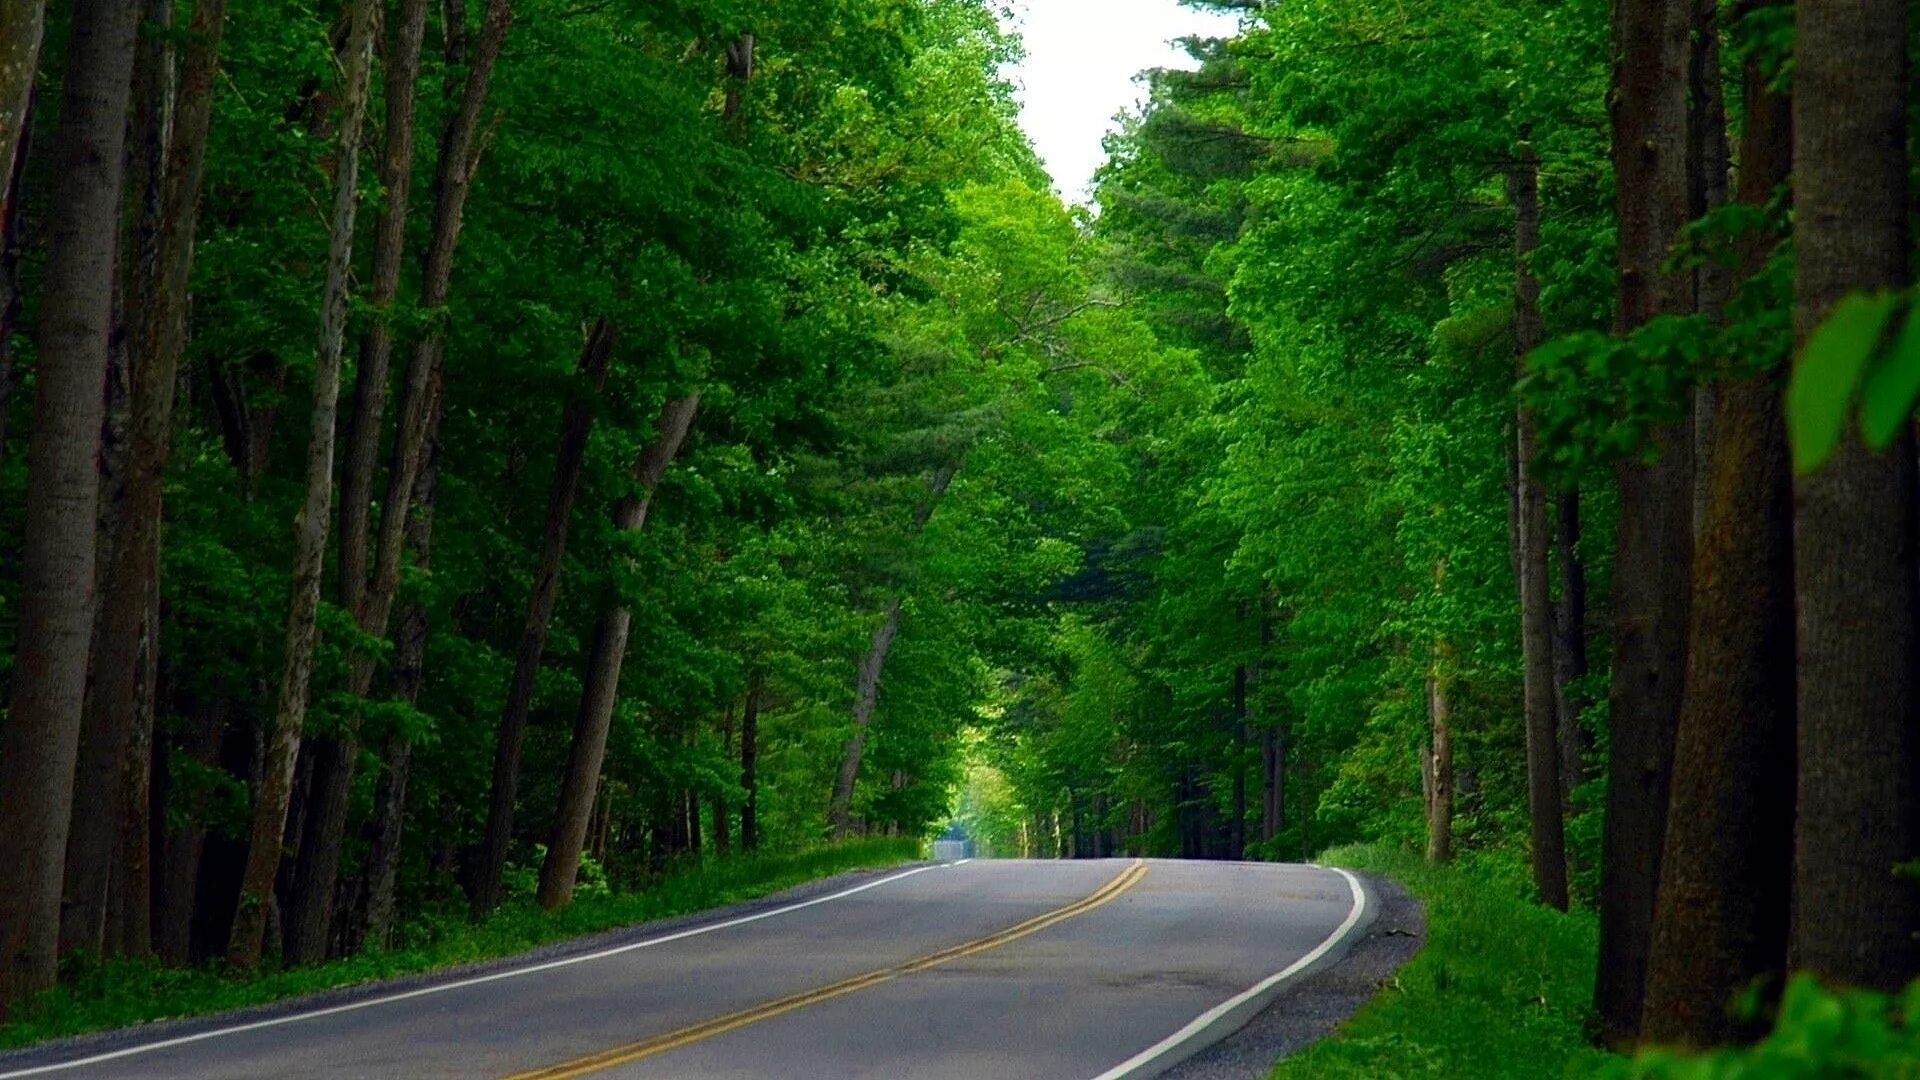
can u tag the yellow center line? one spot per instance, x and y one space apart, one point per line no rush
660 1044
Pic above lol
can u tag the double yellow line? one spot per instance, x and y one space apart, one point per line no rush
660 1044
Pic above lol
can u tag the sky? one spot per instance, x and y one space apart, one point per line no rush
1082 56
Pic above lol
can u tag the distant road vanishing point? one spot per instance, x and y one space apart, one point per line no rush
1081 970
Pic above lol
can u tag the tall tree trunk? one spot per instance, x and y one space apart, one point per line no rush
276 781
1237 828
602 683
365 424
867 679
11 216
1570 646
1721 919
1707 162
22 24
750 765
1273 761
310 904
1854 522
866 695
88 904
576 428
181 847
372 915
722 815
1534 557
1654 545
129 584
1436 762
56 597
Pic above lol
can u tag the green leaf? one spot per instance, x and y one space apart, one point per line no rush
1886 400
1828 372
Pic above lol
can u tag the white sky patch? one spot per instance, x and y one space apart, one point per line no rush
1082 57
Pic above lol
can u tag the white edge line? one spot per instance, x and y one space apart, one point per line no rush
1213 1016
441 988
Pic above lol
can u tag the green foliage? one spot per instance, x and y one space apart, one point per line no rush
1819 1033
1500 988
1843 353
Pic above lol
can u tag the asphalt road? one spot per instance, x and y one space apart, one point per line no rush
982 969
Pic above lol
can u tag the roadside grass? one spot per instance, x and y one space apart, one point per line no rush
100 995
1501 988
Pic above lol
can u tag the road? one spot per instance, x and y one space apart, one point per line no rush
981 969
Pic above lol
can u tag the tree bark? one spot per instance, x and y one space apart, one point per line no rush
1854 523
22 25
11 217
372 915
576 428
722 814
1654 543
867 679
602 683
1237 828
130 581
310 904
1534 556
56 597
276 782
1707 166
866 694
364 425
1436 763
1570 647
1721 918
750 765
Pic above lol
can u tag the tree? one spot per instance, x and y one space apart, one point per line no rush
1721 918
1532 556
575 429
37 759
276 783
1653 549
1853 550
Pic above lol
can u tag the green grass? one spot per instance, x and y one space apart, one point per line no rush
1500 989
102 995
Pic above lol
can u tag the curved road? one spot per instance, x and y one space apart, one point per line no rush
980 969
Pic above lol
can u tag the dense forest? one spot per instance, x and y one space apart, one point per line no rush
458 454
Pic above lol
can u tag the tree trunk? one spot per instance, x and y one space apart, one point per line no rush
1707 155
56 597
867 679
602 683
376 348
1570 647
1654 544
722 815
749 765
1534 556
1854 523
1721 920
1273 760
181 848
1237 828
866 694
1436 764
372 916
276 782
22 24
319 860
130 581
11 217
576 428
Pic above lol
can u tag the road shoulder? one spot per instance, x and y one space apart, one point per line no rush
1312 1008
